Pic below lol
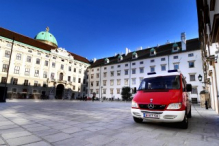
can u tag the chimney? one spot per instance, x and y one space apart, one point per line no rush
94 60
126 51
183 41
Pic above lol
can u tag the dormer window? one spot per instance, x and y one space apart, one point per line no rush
153 52
175 48
106 60
120 58
134 55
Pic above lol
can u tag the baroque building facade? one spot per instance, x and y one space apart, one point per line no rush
38 67
108 75
208 24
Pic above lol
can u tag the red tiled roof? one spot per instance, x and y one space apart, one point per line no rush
32 42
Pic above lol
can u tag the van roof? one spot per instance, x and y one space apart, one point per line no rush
163 74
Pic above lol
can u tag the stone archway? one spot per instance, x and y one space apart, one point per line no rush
59 91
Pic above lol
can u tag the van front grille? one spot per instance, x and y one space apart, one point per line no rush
155 106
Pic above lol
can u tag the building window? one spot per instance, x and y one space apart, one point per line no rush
97 83
104 74
74 79
52 76
74 69
104 91
105 68
44 74
36 74
162 59
30 51
191 64
92 76
152 60
97 75
163 67
104 82
53 64
79 80
106 60
14 90
61 77
111 82
118 72
134 71
7 53
79 71
192 77
25 82
37 61
92 84
97 69
111 91
140 79
112 67
141 70
46 63
133 81
133 63
38 53
175 47
18 56
118 66
126 81
62 66
126 72
126 65
69 78
118 81
134 55
35 83
4 80
69 68
112 73
141 62
16 69
118 90
28 58
152 68
97 91
5 68
190 55
175 57
27 71
120 58
194 90
152 52
176 65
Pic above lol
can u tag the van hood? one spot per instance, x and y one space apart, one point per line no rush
158 97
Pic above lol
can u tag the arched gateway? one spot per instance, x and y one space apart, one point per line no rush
59 91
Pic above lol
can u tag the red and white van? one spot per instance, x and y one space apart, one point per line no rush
163 98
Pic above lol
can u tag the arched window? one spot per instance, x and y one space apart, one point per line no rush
153 52
106 60
60 76
175 47
134 55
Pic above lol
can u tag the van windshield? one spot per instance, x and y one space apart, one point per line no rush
162 82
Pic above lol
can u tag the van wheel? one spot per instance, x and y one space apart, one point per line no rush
184 123
190 113
138 120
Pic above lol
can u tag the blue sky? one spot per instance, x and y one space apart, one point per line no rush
101 28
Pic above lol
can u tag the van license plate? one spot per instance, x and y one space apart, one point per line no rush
148 115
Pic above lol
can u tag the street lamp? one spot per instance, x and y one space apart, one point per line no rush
200 77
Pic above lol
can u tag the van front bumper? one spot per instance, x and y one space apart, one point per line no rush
159 116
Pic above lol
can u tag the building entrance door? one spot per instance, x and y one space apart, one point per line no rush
59 91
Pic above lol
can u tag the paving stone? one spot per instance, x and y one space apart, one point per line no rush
22 140
40 143
43 133
2 141
57 137
71 130
16 134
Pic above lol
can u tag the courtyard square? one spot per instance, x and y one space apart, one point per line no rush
87 123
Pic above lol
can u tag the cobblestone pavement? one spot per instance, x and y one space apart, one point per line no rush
86 123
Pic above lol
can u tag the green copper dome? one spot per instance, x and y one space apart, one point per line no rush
46 37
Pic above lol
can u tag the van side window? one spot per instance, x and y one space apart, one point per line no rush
142 86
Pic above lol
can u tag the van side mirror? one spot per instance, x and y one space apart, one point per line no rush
134 90
188 87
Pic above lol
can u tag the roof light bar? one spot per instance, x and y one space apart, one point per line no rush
151 73
174 70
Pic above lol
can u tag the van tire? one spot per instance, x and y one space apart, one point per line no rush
138 120
190 113
184 123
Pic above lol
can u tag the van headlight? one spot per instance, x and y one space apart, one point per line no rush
174 106
134 104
